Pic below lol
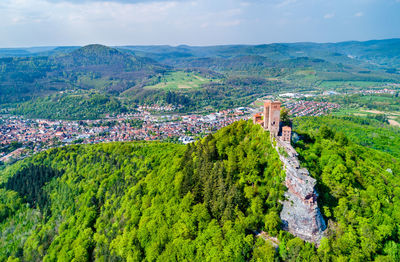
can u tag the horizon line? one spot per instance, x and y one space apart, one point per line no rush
189 45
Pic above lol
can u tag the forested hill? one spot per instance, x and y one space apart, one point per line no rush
366 53
136 201
91 67
105 59
204 201
211 77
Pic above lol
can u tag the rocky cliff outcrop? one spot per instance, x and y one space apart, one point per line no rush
300 213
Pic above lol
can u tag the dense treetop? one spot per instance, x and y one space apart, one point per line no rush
359 189
203 201
170 201
373 131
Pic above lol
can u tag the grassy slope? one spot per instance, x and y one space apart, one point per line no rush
179 80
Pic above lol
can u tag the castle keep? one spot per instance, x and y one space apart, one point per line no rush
270 120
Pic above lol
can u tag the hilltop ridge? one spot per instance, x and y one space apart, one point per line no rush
108 58
159 201
233 75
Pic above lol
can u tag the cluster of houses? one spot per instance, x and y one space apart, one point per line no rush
47 133
378 91
159 108
42 134
310 108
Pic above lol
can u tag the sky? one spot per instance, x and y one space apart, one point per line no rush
26 23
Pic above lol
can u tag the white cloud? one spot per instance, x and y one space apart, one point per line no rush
225 23
55 22
230 23
115 22
285 3
358 14
88 12
246 4
79 23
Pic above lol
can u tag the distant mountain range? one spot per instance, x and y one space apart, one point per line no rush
235 74
382 52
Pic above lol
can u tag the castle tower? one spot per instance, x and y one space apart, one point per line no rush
267 106
286 133
272 115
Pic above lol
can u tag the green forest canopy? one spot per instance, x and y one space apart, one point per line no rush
372 132
167 202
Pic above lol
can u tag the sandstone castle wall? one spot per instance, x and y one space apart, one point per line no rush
300 213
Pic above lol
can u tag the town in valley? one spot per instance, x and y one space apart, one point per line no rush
150 122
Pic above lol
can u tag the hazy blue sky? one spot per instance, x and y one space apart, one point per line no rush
197 22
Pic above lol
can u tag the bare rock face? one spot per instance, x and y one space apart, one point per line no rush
300 213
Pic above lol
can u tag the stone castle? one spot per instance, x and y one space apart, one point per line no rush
270 120
300 214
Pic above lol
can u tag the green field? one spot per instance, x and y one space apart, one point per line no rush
349 84
370 105
306 73
178 80
380 102
345 111
96 83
